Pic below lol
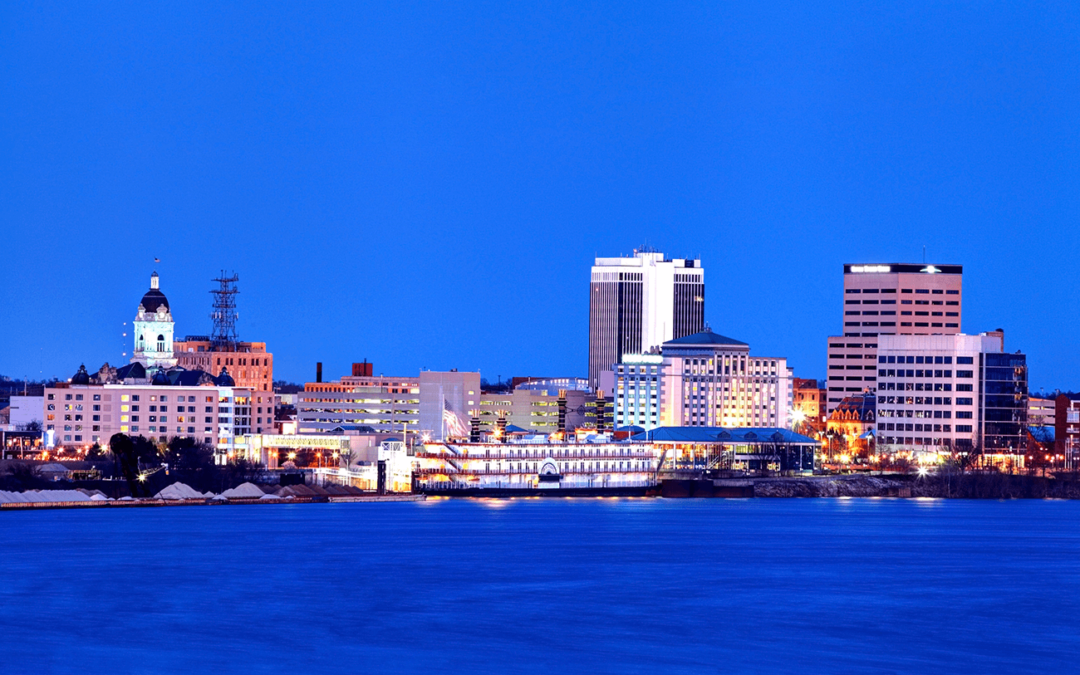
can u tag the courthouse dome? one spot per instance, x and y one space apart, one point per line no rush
154 298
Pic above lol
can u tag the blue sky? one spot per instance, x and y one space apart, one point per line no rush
425 184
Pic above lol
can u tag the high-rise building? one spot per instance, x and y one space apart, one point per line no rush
888 299
938 392
704 379
638 303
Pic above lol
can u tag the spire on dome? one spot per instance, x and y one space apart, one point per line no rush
154 298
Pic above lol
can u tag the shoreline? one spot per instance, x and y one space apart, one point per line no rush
151 503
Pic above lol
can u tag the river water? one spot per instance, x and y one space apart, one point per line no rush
545 586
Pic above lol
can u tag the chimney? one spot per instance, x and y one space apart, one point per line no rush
318 371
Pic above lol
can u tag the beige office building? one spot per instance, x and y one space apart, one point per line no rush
888 299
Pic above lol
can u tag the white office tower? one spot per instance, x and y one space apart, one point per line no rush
637 304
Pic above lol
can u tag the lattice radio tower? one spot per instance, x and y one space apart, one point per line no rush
224 315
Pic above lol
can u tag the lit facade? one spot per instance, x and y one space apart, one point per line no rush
941 392
536 465
1041 412
153 329
705 380
385 404
637 303
809 405
435 403
81 415
889 299
535 411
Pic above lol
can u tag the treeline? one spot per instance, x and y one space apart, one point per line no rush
995 485
148 467
145 466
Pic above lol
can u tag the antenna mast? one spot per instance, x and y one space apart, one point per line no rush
224 315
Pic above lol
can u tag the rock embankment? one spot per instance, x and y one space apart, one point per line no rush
831 486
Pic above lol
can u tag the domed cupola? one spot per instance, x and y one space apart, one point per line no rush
81 377
225 379
154 298
154 329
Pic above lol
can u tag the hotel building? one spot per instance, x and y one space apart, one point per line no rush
77 415
702 380
892 299
638 303
936 392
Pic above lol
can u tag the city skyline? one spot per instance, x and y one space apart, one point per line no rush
336 368
428 189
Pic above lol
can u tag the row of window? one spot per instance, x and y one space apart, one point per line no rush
939 428
922 386
874 312
947 303
927 414
914 372
164 398
936 360
918 324
918 291
919 400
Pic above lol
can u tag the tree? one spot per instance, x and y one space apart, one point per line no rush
190 462
235 473
123 449
96 452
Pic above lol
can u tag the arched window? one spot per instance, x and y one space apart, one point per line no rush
161 343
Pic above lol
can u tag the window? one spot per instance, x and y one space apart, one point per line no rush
964 373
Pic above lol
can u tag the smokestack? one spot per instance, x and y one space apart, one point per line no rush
318 371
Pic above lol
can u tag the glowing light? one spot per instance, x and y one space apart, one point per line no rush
923 471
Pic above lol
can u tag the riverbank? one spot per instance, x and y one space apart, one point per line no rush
92 499
942 486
